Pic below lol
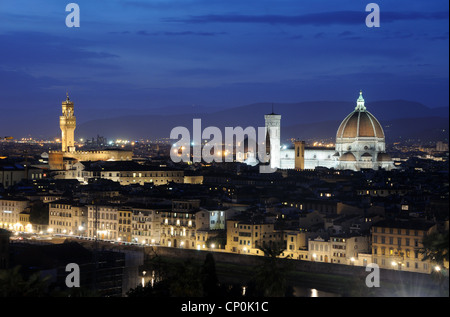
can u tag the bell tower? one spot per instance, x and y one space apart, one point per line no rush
299 155
272 122
67 123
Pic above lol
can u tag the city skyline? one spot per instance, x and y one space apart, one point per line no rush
132 57
223 155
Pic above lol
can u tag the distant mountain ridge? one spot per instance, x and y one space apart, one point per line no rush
399 118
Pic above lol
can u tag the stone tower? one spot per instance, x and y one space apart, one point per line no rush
299 155
67 123
273 128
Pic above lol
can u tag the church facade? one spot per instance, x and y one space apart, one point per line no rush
360 144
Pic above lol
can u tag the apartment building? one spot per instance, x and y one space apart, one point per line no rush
340 249
123 172
67 217
296 245
10 214
125 225
103 220
146 226
248 237
396 245
178 229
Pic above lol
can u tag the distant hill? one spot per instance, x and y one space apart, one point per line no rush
316 119
426 129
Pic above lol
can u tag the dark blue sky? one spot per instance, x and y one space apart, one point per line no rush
139 55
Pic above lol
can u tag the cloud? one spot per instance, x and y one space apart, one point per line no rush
21 49
319 35
345 33
324 18
183 33
441 37
145 33
297 37
210 72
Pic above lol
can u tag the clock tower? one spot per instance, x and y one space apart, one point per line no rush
67 123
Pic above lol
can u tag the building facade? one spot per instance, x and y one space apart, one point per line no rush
66 217
397 245
10 214
247 237
123 172
103 221
360 144
146 226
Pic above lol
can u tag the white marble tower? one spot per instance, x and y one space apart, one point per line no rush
273 128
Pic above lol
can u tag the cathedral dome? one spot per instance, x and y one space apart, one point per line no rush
360 123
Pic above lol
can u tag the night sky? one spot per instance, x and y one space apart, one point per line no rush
132 57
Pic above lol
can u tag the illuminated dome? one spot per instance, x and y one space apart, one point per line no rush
360 141
360 123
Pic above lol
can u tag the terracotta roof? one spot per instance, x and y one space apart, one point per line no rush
360 124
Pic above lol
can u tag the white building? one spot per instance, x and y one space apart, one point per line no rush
360 143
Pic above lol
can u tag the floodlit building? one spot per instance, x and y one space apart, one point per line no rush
340 249
123 172
67 123
296 245
146 226
397 244
125 227
10 214
68 218
360 144
103 220
247 237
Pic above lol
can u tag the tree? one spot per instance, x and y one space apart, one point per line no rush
270 278
435 247
186 281
210 282
14 284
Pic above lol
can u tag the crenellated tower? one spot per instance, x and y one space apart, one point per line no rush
67 123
